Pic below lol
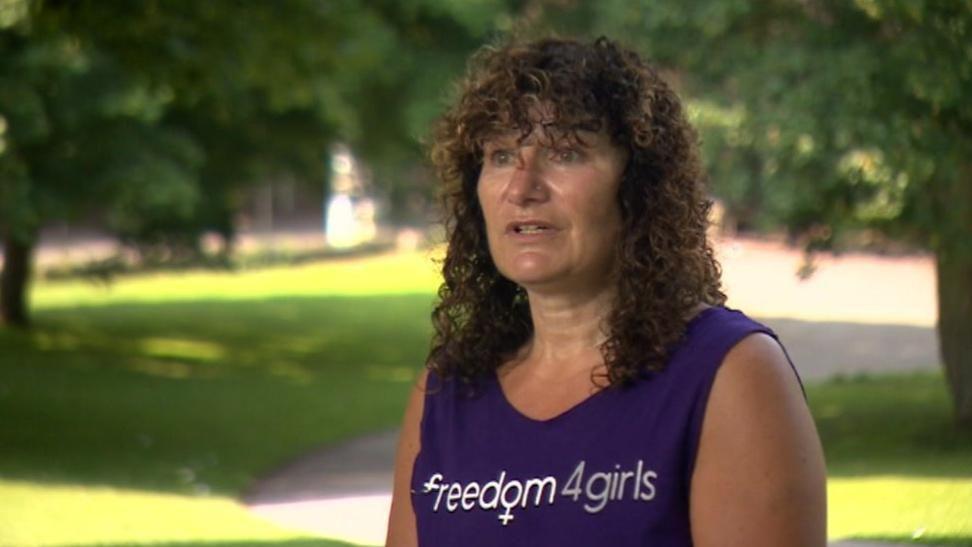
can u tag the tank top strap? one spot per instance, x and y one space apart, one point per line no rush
439 394
449 406
707 342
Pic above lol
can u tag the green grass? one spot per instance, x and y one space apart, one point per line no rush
139 413
401 273
145 395
45 514
898 470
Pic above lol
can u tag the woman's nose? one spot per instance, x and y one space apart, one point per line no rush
526 179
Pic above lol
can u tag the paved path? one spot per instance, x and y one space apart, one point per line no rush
857 314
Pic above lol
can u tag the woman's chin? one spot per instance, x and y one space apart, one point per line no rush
530 277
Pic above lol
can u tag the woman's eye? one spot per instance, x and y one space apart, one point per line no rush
501 157
566 155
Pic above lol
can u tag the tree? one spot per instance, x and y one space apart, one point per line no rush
158 113
413 52
826 116
153 112
148 110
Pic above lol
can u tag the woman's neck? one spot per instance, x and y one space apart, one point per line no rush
568 331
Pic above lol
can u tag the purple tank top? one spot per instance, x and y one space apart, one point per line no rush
613 470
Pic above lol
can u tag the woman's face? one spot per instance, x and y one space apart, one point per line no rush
552 214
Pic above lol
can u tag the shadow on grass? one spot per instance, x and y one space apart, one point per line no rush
890 425
896 462
200 397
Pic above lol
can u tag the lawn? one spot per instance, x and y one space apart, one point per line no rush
138 412
897 468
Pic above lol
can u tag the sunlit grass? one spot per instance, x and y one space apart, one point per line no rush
901 507
898 468
47 515
392 273
179 348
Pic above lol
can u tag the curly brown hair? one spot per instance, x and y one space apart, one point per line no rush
665 264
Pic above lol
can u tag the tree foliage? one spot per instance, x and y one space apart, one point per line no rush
836 114
151 109
157 113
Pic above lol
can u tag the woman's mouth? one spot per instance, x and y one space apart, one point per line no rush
529 227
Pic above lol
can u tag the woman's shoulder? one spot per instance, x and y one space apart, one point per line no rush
724 317
719 328
453 387
718 335
757 424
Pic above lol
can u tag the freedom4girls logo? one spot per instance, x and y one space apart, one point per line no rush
594 491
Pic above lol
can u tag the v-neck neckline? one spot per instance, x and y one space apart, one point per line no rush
586 401
506 403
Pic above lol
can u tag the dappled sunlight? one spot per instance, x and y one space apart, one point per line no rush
292 371
181 348
56 340
164 369
311 342
201 396
391 374
288 337
67 335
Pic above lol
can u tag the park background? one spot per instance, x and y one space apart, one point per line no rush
176 327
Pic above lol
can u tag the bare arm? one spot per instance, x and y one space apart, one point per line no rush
401 519
759 478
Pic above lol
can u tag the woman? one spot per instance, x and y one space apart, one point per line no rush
586 386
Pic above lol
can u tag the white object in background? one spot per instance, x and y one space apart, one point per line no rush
341 229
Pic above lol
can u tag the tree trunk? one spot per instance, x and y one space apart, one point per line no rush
13 282
953 255
955 329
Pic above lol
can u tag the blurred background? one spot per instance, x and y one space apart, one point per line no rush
218 234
